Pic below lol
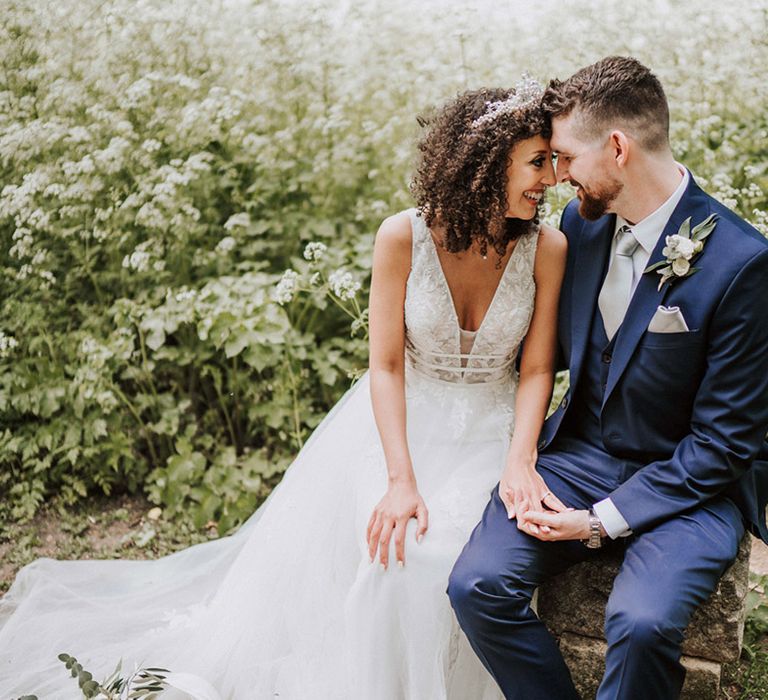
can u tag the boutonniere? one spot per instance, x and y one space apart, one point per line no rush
682 249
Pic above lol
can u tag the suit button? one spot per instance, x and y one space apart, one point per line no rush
607 358
542 444
564 403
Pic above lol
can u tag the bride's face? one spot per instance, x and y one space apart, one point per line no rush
529 173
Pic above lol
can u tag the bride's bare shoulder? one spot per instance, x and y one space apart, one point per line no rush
394 239
396 230
552 242
551 253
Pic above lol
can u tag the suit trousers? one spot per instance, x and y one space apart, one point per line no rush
667 572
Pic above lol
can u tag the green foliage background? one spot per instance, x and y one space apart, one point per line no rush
162 164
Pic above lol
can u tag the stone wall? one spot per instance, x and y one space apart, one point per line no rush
573 608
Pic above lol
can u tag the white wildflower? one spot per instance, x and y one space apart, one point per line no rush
7 344
151 145
241 220
315 251
343 284
286 287
138 260
226 244
48 278
185 294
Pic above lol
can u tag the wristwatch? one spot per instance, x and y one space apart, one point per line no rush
594 541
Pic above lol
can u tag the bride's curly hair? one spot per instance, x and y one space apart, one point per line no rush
461 177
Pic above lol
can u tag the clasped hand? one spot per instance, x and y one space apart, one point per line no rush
390 517
537 510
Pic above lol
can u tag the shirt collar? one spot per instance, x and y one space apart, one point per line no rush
648 230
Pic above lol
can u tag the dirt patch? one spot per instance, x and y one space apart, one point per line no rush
103 529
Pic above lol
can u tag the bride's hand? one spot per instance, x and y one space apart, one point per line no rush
521 489
401 502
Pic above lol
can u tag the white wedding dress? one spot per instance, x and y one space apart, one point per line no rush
290 605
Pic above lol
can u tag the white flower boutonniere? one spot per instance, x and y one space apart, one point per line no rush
682 249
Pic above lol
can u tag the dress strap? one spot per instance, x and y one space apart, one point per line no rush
532 242
420 237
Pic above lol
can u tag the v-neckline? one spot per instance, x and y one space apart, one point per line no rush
451 300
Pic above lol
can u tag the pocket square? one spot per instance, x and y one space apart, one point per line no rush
668 319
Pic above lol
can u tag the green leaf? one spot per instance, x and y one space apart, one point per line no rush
702 230
655 266
90 689
685 228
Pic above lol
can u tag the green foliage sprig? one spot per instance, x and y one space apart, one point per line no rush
141 683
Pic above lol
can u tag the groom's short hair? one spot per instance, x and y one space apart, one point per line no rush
615 92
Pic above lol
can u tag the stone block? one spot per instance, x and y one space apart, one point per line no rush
574 602
586 659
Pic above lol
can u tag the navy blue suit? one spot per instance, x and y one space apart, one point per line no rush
672 427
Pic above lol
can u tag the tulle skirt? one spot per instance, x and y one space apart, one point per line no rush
290 606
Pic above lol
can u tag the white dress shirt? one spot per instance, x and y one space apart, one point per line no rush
647 232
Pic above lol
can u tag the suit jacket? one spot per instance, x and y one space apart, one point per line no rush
690 409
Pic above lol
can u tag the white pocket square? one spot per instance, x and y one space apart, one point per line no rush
668 319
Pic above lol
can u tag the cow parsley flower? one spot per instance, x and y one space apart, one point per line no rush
315 251
343 284
286 287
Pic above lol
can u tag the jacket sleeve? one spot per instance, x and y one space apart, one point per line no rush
730 412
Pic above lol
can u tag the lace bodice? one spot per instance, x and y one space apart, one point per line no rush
433 336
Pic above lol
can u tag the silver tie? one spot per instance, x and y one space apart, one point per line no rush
617 288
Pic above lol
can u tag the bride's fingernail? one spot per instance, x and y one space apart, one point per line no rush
401 564
419 539
383 567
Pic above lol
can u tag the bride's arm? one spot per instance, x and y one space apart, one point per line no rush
391 266
521 487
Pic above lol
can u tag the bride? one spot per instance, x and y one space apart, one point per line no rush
335 587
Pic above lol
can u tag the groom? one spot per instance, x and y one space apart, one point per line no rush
654 445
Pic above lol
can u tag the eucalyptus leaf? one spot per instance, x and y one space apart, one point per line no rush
705 228
685 228
655 266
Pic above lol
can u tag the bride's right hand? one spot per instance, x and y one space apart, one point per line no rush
521 489
401 502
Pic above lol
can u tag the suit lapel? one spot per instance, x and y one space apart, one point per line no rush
647 297
593 250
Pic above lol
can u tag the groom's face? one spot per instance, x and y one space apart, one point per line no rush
587 165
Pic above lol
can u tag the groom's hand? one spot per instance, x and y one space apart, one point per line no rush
549 527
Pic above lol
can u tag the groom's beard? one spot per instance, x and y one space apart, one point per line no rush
594 205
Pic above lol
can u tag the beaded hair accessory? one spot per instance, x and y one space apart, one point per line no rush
526 93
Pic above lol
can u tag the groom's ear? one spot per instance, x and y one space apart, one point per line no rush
619 144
